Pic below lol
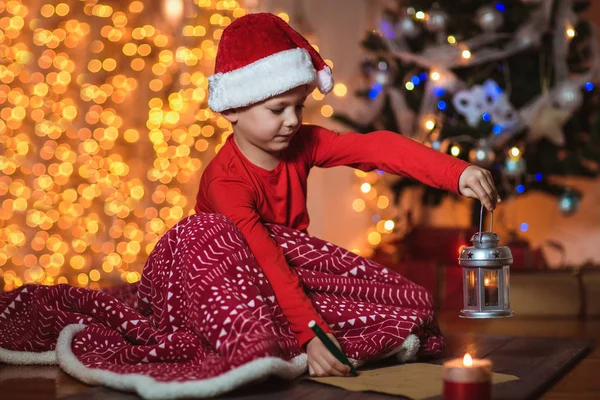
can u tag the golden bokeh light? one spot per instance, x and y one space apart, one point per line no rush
104 132
340 89
327 111
358 205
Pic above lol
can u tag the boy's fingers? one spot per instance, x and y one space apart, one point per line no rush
490 180
318 370
332 366
492 196
311 371
323 368
333 361
482 194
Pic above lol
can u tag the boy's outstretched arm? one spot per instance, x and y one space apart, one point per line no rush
235 200
394 153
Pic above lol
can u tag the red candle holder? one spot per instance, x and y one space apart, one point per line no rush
468 379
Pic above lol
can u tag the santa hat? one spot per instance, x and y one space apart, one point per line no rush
261 56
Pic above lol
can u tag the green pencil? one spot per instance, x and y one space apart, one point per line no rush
331 346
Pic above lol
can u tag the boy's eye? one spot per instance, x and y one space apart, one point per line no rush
281 110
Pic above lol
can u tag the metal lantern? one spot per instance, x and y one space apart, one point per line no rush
486 270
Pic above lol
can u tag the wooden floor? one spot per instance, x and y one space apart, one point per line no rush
581 382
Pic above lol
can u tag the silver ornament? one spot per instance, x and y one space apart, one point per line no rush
568 203
527 36
436 20
482 154
514 167
383 73
408 27
382 77
489 19
568 97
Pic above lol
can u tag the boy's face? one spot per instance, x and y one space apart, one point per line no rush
270 124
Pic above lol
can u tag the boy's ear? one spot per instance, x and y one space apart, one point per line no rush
230 115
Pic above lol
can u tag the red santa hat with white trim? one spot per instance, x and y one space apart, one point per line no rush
260 56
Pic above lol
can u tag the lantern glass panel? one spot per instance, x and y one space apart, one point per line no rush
506 285
471 283
490 282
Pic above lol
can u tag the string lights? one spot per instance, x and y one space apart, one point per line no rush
104 132
437 82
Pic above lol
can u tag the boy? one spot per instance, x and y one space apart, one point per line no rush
264 72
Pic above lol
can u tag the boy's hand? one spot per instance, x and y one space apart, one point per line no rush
320 360
477 183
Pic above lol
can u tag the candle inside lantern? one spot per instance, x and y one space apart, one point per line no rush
491 292
467 379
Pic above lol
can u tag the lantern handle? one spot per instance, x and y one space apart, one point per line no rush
481 222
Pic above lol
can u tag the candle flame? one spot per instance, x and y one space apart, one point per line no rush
486 282
467 360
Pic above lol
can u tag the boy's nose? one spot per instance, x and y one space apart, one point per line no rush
291 120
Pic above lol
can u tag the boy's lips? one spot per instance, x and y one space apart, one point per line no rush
285 136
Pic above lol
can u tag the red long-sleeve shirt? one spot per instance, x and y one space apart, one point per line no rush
250 195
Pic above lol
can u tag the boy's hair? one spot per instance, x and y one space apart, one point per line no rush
260 56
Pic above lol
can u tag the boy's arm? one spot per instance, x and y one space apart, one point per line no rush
387 151
235 200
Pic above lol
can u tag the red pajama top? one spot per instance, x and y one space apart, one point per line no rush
250 195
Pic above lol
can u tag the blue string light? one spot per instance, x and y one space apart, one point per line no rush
497 129
524 227
438 91
415 80
386 27
380 172
486 117
589 86
500 7
375 90
423 76
441 105
520 189
538 177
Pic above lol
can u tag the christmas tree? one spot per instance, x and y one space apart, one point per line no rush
507 85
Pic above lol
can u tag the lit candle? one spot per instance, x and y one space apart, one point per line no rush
467 379
491 293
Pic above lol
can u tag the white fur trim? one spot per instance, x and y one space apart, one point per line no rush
408 350
28 357
325 78
262 79
148 388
